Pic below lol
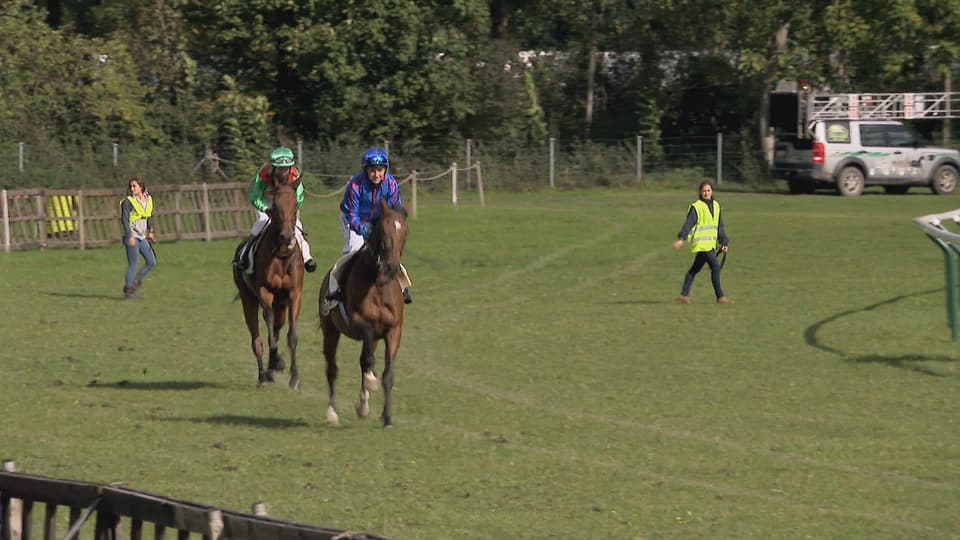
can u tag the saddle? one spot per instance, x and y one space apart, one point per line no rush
340 272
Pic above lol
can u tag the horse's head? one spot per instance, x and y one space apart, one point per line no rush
388 238
283 215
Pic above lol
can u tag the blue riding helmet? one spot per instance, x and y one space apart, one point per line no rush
281 157
375 157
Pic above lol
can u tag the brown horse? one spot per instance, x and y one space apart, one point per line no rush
372 309
276 285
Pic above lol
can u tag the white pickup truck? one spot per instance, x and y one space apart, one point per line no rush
849 155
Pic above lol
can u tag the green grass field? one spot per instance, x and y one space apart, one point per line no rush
547 385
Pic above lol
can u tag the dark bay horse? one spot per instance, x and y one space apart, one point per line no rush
372 309
276 285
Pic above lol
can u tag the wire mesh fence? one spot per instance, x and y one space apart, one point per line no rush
552 163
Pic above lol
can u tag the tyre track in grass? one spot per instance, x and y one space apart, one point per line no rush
434 370
565 456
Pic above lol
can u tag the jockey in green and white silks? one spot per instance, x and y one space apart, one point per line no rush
281 170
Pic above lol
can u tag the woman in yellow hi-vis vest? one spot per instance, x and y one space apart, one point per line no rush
136 217
704 230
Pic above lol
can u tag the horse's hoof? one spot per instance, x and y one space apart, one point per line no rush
268 377
295 383
332 417
363 408
370 381
387 422
264 378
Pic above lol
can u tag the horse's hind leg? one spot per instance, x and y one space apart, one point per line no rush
331 338
292 340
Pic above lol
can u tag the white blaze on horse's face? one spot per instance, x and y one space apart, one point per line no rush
396 224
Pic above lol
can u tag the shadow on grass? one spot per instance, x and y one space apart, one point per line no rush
637 302
155 385
903 361
242 420
117 297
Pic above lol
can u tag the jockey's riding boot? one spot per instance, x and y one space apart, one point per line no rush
241 261
407 299
310 266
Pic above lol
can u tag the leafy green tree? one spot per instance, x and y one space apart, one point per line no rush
58 85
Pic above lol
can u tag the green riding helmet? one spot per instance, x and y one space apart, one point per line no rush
281 157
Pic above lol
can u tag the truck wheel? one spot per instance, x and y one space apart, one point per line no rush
896 190
850 182
944 180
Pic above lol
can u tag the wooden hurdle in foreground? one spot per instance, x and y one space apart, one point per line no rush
115 507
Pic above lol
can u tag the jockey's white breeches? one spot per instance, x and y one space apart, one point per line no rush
261 223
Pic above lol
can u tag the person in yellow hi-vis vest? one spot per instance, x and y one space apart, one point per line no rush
136 217
704 230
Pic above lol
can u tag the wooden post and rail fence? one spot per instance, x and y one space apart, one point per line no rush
118 511
42 218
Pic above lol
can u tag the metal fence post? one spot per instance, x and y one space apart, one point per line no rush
20 157
300 154
469 161
116 154
552 160
719 158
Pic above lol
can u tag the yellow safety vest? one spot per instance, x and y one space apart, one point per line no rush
139 212
703 237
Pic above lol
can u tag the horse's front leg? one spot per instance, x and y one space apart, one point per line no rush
368 376
331 338
266 305
250 316
295 298
277 364
391 343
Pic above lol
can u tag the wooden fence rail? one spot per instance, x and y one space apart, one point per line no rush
116 508
62 218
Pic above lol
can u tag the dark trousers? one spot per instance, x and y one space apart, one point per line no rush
703 257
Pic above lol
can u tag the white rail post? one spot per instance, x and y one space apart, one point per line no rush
6 221
20 157
413 182
480 185
453 183
116 154
259 509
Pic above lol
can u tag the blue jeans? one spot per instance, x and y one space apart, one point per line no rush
701 258
150 259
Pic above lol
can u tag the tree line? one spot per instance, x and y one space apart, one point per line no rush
240 75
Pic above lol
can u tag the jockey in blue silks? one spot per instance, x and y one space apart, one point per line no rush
360 206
